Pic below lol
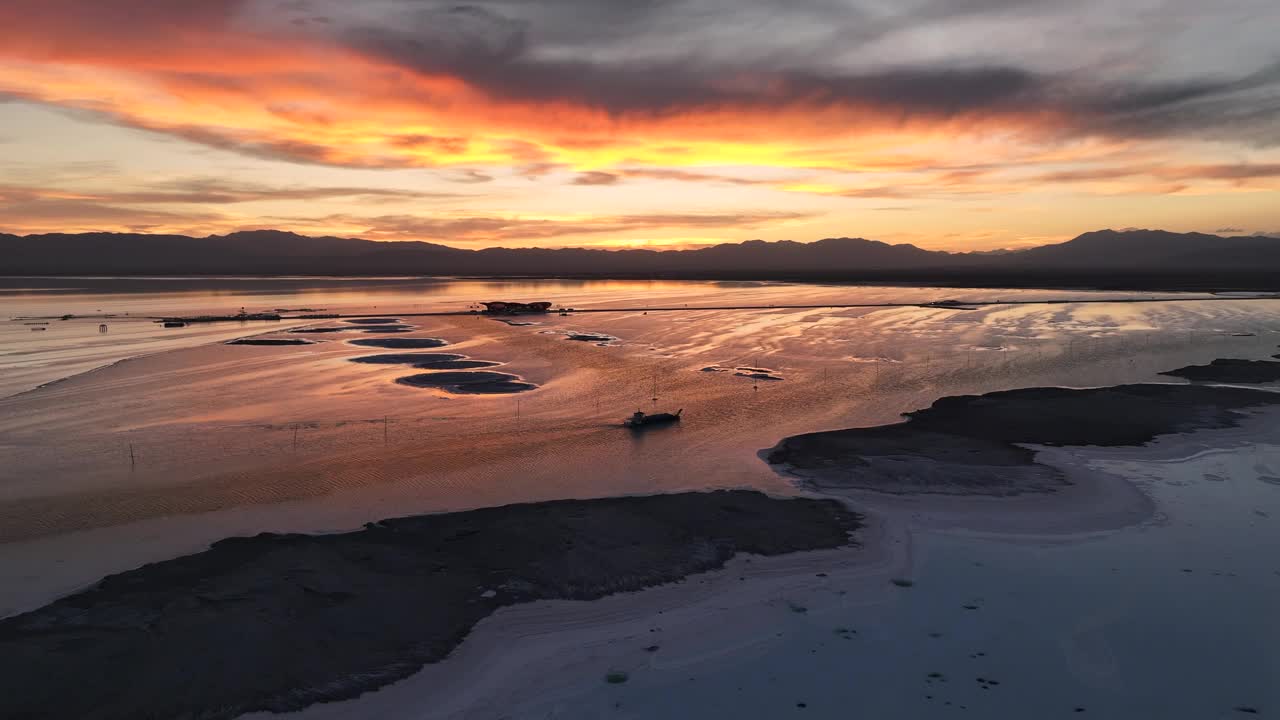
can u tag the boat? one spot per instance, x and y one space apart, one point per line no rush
642 419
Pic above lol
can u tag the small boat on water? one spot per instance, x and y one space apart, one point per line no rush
642 419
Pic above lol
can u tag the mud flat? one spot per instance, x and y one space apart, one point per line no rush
469 383
753 373
386 328
591 337
406 358
373 321
977 445
279 622
1230 370
756 375
401 343
271 341
426 361
456 364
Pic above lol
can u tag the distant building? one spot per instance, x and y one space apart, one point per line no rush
515 308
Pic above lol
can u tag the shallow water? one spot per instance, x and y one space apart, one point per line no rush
128 307
1174 618
192 440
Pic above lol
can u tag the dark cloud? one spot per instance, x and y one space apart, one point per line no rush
595 177
59 214
1228 172
533 171
449 145
467 176
884 192
1229 230
494 54
1088 174
489 229
208 191
1078 69
298 151
549 52
687 176
1242 171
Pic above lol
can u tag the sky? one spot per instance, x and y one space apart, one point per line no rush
950 124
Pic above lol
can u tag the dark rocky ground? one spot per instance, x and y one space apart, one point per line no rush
971 444
279 622
1231 370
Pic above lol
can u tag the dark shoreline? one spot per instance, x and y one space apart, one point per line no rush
974 444
279 622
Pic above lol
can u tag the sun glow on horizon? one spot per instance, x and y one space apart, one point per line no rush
250 113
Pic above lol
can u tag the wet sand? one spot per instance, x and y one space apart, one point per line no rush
279 622
977 444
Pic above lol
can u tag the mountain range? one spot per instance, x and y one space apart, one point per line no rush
1107 258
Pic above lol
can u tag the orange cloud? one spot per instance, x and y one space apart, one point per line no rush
484 98
204 73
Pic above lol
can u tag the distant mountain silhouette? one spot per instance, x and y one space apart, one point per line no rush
1105 254
1111 250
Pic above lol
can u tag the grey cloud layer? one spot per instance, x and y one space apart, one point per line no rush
1148 68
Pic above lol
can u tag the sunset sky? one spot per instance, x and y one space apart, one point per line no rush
950 124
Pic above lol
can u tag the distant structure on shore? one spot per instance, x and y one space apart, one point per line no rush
515 308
